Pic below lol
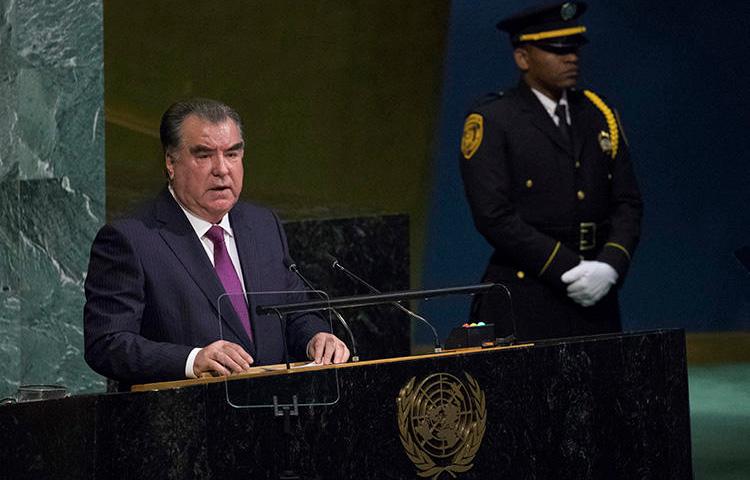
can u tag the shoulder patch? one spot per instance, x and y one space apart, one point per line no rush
609 141
472 136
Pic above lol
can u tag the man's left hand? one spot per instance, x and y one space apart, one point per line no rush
325 348
589 281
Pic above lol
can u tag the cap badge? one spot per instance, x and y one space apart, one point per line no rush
568 11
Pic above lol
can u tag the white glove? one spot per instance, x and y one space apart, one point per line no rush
589 281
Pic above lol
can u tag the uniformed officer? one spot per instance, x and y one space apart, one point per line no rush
550 184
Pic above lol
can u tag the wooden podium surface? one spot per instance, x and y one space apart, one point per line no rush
604 407
301 367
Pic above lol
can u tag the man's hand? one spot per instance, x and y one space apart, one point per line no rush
589 281
223 358
325 348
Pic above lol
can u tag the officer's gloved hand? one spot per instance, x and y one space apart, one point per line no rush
589 281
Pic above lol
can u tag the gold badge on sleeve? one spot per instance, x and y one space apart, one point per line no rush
605 142
472 137
441 421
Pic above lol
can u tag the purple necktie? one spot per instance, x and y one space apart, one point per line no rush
228 276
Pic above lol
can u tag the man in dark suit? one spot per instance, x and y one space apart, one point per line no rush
158 279
548 177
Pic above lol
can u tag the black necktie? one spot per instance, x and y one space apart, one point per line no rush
562 114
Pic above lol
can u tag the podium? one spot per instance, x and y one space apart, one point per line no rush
602 407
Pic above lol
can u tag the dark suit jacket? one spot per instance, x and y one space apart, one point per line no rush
152 292
529 191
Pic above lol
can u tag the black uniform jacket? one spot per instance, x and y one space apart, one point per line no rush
544 203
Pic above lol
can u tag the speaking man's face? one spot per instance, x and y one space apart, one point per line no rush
206 169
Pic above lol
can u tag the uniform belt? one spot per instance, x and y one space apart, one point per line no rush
583 237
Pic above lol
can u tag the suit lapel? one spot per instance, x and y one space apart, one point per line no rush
180 236
539 117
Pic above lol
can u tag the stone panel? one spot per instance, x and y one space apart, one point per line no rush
9 301
51 186
60 124
58 33
57 227
376 247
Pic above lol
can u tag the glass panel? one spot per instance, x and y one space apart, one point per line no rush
281 376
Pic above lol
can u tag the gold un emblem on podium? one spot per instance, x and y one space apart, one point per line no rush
441 423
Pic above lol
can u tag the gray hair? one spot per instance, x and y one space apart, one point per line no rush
213 111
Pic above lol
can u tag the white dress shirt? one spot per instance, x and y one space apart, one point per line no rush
550 105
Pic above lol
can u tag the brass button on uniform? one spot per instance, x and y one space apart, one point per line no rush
609 175
529 183
581 195
578 164
520 275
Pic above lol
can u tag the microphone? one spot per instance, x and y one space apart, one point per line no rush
292 267
336 265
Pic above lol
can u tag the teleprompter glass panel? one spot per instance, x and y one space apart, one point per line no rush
281 375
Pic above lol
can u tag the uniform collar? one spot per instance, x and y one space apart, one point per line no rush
550 105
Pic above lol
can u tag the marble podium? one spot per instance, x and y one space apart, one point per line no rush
377 248
613 406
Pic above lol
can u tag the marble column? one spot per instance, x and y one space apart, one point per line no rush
51 186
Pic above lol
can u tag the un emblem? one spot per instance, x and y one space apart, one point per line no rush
441 423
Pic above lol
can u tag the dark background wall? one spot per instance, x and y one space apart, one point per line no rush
339 98
678 72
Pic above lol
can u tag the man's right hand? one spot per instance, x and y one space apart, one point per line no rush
223 358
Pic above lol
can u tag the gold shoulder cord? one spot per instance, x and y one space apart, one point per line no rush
614 133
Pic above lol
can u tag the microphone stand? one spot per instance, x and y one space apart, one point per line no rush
293 268
337 266
282 321
512 338
287 411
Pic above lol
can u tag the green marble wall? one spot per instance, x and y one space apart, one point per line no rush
51 186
